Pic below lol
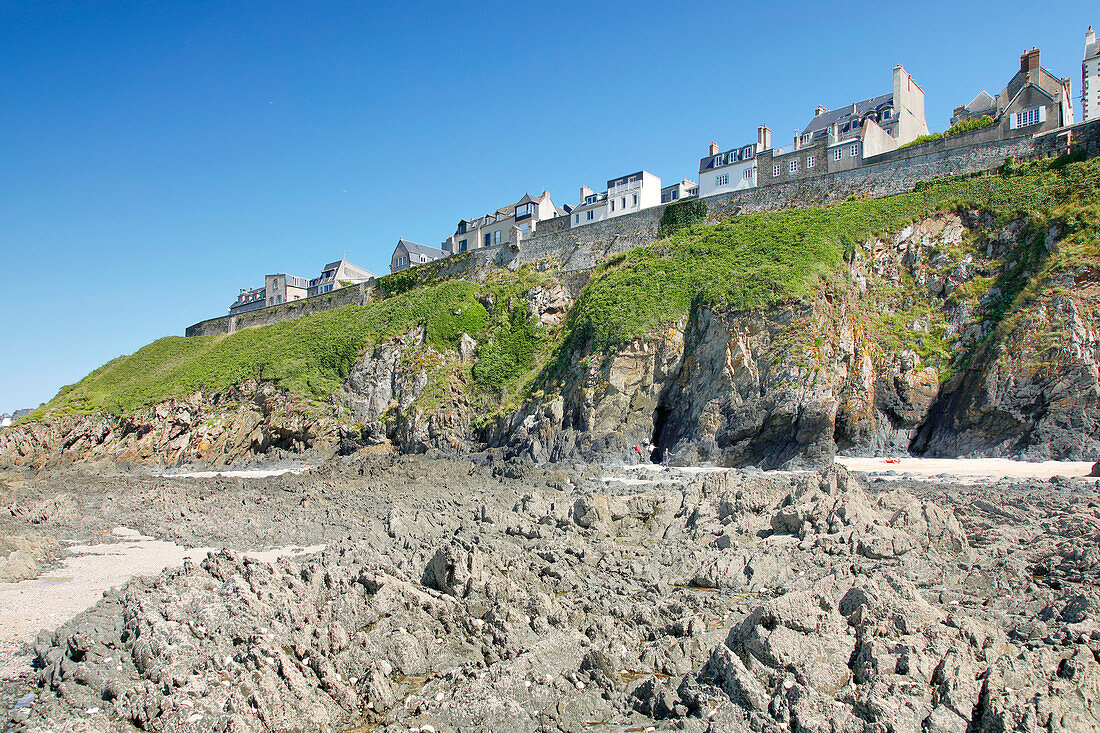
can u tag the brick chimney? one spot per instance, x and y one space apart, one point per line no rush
819 111
585 193
714 148
1029 60
763 138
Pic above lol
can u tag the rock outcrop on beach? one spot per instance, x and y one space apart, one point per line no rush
455 597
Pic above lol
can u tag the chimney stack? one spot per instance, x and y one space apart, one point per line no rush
820 111
714 148
585 193
834 133
797 140
763 138
1029 60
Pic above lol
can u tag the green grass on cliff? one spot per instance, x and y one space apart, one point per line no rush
758 260
310 355
748 261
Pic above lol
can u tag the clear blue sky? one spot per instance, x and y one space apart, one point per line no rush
155 157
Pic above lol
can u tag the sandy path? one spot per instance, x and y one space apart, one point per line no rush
968 467
245 473
44 603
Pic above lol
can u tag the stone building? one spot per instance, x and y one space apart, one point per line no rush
249 300
1033 101
840 139
506 225
410 254
283 288
1090 78
336 275
685 189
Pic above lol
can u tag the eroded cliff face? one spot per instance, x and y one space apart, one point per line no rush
251 420
937 340
857 370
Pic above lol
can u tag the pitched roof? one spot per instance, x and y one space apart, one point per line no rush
420 249
844 115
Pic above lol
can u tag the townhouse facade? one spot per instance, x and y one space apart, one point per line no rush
506 225
1033 101
249 299
685 189
840 139
1090 78
623 195
732 170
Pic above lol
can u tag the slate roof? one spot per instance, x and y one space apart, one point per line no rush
420 249
843 116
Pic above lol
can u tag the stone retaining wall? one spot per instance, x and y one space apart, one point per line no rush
576 249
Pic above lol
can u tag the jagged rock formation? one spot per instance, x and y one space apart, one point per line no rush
247 421
458 597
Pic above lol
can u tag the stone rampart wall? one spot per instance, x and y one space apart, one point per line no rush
554 244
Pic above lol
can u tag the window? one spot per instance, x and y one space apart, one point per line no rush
775 171
496 237
810 160
635 199
748 173
792 166
837 153
522 212
462 227
488 239
885 114
578 219
722 180
675 195
590 213
854 149
612 204
624 202
1032 116
590 200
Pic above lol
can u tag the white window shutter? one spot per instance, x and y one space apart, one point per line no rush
1042 113
1012 118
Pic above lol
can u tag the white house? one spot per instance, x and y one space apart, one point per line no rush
5 420
731 170
624 195
1090 78
336 275
506 225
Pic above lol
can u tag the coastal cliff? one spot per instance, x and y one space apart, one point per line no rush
958 319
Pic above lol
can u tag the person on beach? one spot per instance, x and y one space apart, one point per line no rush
638 451
664 458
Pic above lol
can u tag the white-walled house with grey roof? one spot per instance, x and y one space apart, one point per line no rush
336 275
623 195
731 170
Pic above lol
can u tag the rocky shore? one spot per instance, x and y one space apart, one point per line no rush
457 595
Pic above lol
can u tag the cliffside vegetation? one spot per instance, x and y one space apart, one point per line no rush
974 123
748 261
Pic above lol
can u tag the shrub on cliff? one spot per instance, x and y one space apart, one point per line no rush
681 215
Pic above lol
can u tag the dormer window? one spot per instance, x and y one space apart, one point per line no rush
885 114
590 200
522 212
